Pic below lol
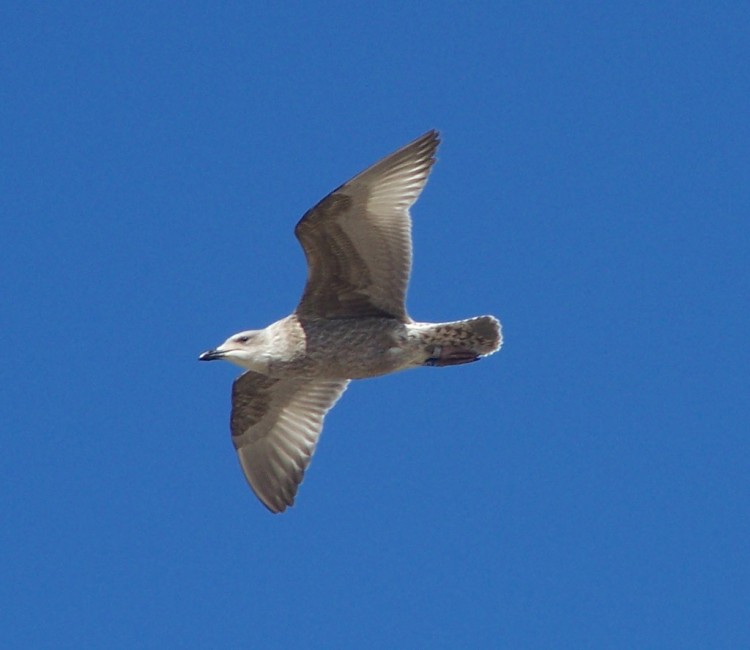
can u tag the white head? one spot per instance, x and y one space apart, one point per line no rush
247 349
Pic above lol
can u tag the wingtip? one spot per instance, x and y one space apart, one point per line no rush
429 143
275 504
431 137
276 510
429 140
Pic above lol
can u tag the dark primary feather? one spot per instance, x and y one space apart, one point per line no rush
275 426
357 240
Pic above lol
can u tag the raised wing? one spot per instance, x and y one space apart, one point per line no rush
357 240
275 427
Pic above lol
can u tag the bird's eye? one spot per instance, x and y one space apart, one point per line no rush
243 339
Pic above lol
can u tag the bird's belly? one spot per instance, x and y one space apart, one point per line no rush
354 349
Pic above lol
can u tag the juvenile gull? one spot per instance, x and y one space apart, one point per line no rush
351 323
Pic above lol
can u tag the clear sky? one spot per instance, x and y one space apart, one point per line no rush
587 487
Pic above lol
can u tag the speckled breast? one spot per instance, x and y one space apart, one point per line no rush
346 348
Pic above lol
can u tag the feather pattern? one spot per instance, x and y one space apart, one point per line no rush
357 240
275 426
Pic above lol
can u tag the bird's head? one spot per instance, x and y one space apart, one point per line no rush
246 349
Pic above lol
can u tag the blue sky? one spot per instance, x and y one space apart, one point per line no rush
587 487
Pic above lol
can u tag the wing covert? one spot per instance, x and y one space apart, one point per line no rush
357 240
275 426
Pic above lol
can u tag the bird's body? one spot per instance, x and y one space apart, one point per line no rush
348 348
357 348
351 323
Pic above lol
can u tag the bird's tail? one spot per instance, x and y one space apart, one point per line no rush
463 341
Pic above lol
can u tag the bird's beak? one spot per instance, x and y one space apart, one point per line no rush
211 355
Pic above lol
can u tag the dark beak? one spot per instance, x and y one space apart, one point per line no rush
210 355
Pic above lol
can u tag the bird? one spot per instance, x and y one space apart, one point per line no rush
351 323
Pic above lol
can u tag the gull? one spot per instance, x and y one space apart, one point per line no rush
351 323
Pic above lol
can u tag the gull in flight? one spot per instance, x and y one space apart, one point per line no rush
351 323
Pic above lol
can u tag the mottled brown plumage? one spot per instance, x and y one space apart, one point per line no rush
351 323
360 267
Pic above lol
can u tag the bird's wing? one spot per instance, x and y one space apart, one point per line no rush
275 427
357 240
